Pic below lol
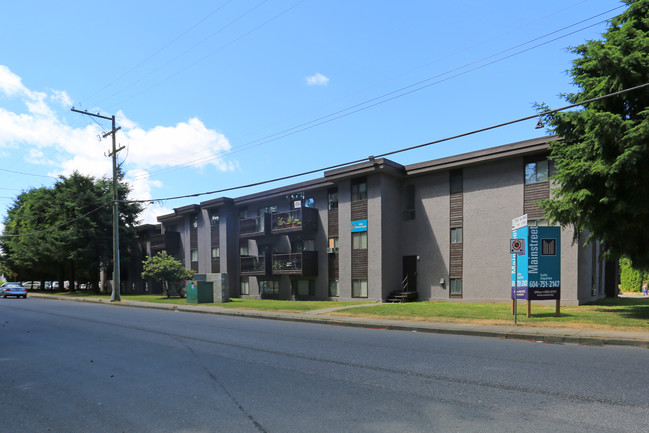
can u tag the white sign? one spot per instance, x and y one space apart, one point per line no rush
517 246
519 222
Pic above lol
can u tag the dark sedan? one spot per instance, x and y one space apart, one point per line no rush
13 289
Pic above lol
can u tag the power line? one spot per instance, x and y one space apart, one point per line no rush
28 174
159 50
372 157
401 92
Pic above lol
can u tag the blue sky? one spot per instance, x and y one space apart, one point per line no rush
215 94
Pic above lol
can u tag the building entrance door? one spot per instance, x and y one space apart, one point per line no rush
410 272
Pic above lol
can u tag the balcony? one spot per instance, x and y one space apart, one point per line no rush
168 241
253 227
304 264
303 220
251 265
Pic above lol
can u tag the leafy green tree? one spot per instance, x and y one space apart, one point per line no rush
168 271
602 158
65 232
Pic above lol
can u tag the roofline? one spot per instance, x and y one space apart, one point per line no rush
527 147
284 190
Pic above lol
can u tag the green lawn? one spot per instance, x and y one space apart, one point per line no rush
621 313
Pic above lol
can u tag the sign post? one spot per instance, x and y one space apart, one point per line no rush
517 248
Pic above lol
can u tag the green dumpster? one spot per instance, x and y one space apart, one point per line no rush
199 292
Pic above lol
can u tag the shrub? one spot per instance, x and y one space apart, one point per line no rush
630 278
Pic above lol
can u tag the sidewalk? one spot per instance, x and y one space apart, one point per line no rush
542 335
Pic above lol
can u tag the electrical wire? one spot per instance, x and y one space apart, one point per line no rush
373 157
28 174
386 97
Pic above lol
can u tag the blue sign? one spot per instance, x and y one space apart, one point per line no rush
539 269
359 226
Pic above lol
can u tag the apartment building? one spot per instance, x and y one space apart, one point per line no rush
439 228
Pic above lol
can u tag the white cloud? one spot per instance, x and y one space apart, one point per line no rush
317 80
45 138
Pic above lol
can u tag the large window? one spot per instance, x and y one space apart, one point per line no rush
359 288
456 181
332 198
216 253
333 244
333 288
536 171
267 209
214 219
269 287
456 286
456 235
359 189
359 240
304 287
194 255
245 287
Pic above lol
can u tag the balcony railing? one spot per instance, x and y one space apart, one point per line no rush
168 241
251 227
298 220
251 265
304 264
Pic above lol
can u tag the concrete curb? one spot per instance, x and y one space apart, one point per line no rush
544 335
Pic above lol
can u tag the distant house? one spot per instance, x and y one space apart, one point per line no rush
440 228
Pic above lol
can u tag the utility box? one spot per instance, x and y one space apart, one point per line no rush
199 292
219 286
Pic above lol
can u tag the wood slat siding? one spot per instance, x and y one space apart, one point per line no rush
214 236
457 209
334 267
359 264
359 210
332 222
456 262
534 192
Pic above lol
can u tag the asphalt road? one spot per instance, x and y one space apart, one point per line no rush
75 367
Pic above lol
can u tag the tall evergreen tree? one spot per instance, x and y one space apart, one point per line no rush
602 158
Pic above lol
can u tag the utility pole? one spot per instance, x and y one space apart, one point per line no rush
115 295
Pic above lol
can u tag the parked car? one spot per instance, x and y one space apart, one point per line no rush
13 289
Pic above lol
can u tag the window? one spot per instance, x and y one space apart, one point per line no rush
214 219
456 286
333 288
243 213
267 209
359 288
456 181
359 240
332 198
245 287
409 203
333 244
194 221
536 171
216 253
456 235
359 189
194 254
308 245
309 202
269 287
243 249
304 287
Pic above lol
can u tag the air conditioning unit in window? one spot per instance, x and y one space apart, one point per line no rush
332 250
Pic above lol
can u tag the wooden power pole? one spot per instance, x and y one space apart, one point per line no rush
115 294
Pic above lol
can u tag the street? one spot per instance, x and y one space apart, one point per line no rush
80 367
